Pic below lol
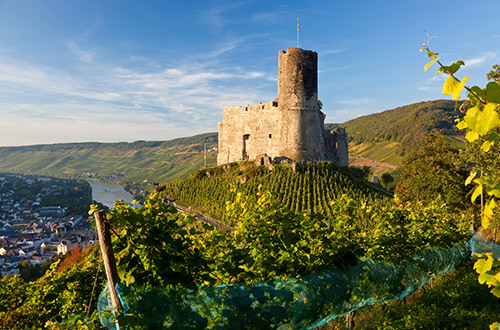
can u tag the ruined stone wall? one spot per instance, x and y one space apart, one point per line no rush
336 147
290 127
249 131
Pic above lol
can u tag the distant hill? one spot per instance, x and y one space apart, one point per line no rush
379 140
124 162
382 139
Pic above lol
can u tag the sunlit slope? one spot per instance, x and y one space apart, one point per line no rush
382 139
308 187
136 161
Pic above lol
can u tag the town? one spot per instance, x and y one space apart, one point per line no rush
41 218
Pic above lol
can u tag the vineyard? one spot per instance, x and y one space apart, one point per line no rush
307 187
275 256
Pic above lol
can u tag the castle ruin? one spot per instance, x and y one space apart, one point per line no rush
290 128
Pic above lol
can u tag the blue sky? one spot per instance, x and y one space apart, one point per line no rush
127 70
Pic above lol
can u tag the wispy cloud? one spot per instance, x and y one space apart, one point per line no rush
86 56
332 51
432 84
350 108
192 90
217 17
484 57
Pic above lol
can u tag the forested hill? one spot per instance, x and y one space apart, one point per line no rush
382 139
406 125
126 162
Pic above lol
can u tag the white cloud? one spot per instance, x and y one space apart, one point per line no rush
60 101
484 57
332 51
216 17
432 84
83 55
350 108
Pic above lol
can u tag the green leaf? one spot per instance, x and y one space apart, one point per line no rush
495 326
470 178
455 66
432 54
476 95
496 292
488 213
476 193
493 92
430 63
452 68
453 87
483 265
487 119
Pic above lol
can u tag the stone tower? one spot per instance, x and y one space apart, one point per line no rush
290 128
302 122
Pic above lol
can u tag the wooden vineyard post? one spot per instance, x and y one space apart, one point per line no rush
350 319
108 258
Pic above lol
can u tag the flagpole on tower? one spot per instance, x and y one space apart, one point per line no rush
297 32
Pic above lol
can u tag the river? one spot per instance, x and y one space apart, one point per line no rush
106 193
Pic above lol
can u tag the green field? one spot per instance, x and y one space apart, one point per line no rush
123 162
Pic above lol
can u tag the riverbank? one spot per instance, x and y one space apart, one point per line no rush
107 193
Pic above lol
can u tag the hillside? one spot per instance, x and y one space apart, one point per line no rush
379 140
405 125
305 187
124 162
382 139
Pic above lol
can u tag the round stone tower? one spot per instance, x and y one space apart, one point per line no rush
301 121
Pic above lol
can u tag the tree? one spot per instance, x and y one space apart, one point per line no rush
494 75
386 179
482 123
431 172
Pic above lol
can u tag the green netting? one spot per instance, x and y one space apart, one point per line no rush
479 244
298 303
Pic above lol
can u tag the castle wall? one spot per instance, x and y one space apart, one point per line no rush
302 135
249 131
336 146
290 127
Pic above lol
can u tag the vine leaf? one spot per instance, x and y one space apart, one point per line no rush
452 68
470 178
488 119
488 213
493 92
454 87
431 63
483 265
496 291
477 192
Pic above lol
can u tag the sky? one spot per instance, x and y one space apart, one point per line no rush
128 70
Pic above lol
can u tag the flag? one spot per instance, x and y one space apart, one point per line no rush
298 24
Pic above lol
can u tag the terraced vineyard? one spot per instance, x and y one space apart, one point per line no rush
123 162
310 187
